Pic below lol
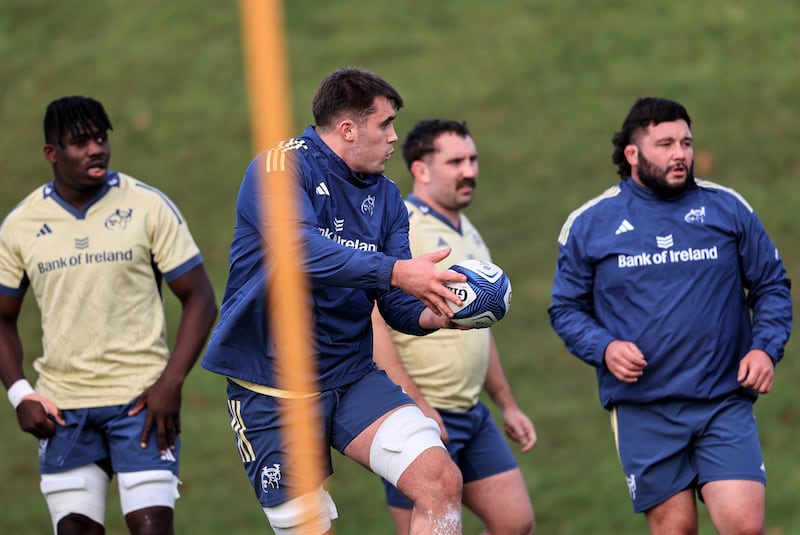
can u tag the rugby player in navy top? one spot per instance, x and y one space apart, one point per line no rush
354 232
671 288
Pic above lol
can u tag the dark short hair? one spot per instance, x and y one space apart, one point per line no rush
350 90
420 140
644 112
76 115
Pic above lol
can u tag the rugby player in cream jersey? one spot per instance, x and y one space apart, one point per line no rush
94 245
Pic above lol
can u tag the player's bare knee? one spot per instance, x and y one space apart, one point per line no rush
76 524
514 526
151 521
310 514
400 440
443 482
80 492
146 489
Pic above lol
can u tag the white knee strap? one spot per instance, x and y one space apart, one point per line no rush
148 488
310 514
400 439
81 490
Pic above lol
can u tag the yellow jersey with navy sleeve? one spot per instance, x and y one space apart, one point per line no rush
96 275
449 365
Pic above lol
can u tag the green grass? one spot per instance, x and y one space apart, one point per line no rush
542 84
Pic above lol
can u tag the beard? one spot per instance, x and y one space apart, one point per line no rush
655 178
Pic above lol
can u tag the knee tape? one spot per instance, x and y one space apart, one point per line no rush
310 514
400 439
81 490
148 488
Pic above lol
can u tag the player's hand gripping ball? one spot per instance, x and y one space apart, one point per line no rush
486 295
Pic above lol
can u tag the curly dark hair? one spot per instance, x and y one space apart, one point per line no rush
76 115
644 112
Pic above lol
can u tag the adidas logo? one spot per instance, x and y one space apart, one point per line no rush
322 189
44 230
625 226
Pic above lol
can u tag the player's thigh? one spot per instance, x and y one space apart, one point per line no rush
678 514
404 447
736 506
362 408
476 444
76 497
501 501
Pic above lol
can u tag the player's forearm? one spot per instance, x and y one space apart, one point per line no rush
496 384
10 356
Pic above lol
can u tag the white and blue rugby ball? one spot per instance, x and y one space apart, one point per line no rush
486 295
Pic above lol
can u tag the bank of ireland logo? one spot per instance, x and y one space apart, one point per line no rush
696 215
368 205
270 477
665 242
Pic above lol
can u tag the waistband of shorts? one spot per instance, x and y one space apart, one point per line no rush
272 391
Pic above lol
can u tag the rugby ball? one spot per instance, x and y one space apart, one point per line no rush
485 296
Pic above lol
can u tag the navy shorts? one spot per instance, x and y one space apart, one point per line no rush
671 446
97 433
476 446
345 412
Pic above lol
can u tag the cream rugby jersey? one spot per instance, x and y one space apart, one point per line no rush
449 365
96 276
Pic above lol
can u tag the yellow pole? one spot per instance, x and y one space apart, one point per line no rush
268 95
266 72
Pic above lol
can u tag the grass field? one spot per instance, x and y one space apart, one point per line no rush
543 85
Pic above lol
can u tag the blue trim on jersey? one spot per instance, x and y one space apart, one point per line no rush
166 199
16 293
427 209
678 277
112 181
354 228
183 268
